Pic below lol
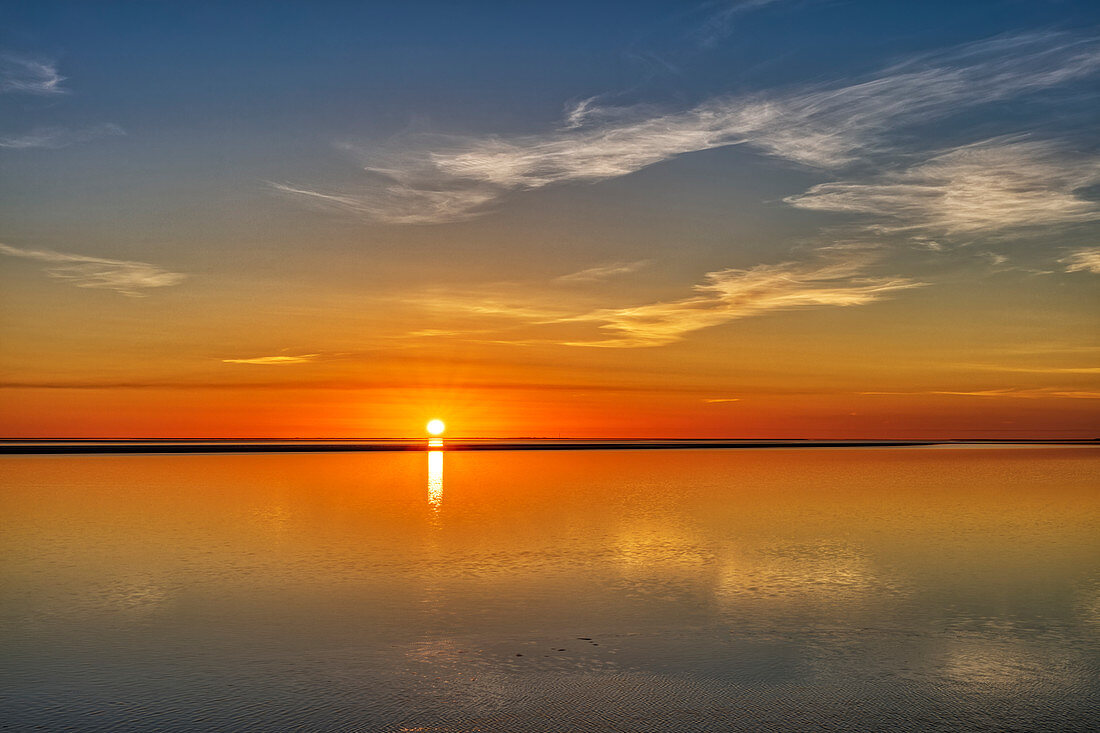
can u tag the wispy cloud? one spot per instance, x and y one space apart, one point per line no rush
1011 392
994 185
716 400
366 383
19 74
580 114
489 303
724 296
719 23
274 360
1027 369
123 277
1045 348
399 203
1086 259
602 272
434 333
57 137
452 178
24 75
728 295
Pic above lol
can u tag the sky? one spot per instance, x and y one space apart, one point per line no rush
754 218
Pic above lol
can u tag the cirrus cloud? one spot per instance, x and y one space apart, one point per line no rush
273 360
724 296
450 178
19 74
602 272
123 277
57 137
990 186
1011 392
1086 259
727 295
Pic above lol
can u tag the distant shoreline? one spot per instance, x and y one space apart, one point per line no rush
186 446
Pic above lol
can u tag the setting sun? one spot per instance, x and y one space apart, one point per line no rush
436 427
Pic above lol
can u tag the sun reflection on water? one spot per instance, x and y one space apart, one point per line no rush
435 476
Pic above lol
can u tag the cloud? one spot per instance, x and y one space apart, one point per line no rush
385 384
28 76
485 303
1004 392
724 296
434 332
1049 347
727 295
990 186
398 203
1086 259
580 113
718 25
722 399
123 277
448 179
274 360
1028 370
602 272
57 137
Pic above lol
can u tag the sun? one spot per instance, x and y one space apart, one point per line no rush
436 427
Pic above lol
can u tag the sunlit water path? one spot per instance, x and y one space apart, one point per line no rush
856 589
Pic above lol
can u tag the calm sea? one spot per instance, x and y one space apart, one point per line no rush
916 589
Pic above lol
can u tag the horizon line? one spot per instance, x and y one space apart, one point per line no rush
185 446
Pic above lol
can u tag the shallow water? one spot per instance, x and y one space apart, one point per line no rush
711 590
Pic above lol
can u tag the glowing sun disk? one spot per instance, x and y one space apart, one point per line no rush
436 427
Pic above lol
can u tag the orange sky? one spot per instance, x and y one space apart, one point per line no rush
542 246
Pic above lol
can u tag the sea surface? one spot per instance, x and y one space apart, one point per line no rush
855 589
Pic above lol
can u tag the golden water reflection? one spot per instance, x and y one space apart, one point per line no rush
435 477
944 589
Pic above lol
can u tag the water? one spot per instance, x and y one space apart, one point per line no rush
698 590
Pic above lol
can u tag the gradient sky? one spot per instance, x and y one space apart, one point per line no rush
766 218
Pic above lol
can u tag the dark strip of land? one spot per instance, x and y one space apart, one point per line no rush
127 447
